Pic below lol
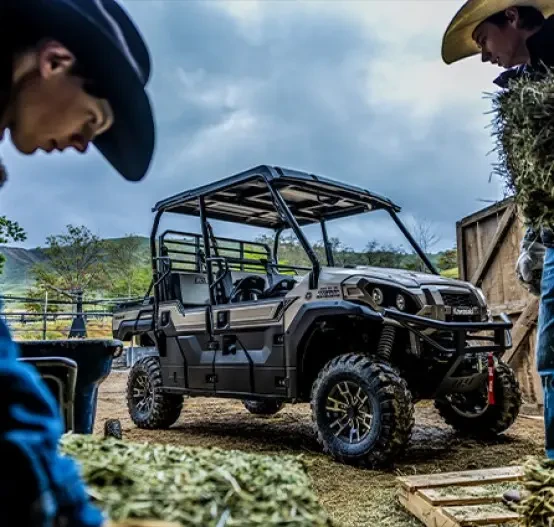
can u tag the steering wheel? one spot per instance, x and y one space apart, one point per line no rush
248 288
284 285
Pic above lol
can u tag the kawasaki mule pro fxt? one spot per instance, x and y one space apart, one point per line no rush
361 344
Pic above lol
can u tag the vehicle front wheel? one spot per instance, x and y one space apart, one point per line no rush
362 411
149 407
269 407
472 415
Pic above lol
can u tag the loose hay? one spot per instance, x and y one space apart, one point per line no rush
523 125
478 490
195 486
537 510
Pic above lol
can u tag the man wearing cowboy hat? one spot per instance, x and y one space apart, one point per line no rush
73 73
517 35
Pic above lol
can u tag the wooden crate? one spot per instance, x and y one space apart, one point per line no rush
488 244
459 499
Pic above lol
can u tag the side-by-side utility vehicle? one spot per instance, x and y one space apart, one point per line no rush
226 318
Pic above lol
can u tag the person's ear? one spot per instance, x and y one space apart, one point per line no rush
54 59
512 14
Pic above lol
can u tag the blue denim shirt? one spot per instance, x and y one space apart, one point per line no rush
37 484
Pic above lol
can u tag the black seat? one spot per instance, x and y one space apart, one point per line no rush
247 288
279 288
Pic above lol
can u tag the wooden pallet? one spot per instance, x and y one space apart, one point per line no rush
459 499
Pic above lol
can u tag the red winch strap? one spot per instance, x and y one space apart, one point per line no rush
490 381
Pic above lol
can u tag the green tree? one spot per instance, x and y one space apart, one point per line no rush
75 260
10 231
128 266
138 286
448 260
379 255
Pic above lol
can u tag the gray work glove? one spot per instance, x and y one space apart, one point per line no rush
530 262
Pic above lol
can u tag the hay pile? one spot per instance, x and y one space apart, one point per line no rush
523 126
194 486
537 510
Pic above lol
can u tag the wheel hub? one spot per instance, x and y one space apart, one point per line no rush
349 412
143 396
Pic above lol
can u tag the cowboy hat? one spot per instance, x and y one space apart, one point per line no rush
112 54
458 43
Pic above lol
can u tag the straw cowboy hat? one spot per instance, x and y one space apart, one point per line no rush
113 54
458 43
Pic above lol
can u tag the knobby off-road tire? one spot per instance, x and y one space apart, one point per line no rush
158 410
268 407
388 399
496 418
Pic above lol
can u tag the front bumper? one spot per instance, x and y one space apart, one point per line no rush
498 342
495 343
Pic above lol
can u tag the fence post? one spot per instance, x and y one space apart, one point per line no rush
44 315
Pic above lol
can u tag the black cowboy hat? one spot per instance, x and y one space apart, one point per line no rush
113 55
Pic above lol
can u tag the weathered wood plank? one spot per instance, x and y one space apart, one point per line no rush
479 241
494 244
476 515
467 477
424 511
510 308
495 209
469 495
525 323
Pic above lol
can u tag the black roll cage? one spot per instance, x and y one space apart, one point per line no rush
270 177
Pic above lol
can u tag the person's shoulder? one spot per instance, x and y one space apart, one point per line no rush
513 73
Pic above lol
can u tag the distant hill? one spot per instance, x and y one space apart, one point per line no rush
16 275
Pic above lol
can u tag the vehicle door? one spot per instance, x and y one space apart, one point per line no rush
190 354
250 358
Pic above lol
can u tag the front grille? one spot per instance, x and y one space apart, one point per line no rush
461 306
459 299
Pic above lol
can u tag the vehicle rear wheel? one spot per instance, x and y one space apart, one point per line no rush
269 407
149 407
362 410
472 415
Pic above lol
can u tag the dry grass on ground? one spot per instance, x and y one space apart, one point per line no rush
353 497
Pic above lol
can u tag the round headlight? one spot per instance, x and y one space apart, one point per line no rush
400 302
378 296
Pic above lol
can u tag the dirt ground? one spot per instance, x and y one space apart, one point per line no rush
353 497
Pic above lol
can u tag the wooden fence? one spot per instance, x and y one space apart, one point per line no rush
488 248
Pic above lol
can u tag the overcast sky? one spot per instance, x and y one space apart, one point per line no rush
354 91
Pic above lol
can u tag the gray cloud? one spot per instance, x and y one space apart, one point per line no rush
290 90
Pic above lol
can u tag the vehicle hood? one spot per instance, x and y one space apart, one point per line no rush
400 276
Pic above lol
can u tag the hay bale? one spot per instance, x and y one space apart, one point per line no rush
194 486
537 510
523 126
